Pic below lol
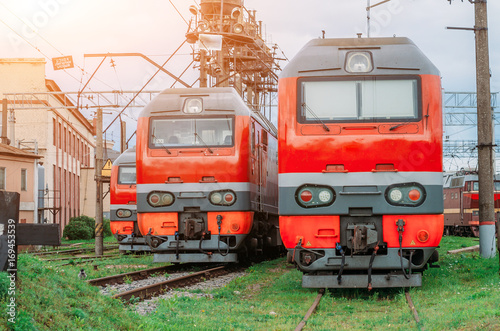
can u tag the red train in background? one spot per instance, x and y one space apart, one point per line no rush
207 177
360 171
123 210
461 203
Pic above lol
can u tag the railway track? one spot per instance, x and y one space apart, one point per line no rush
413 309
310 311
72 251
135 275
146 292
316 302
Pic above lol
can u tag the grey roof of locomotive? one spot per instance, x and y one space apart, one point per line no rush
391 56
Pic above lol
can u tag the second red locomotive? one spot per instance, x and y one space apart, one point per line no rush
206 177
123 210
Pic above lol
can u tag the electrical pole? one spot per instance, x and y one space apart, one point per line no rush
484 134
485 137
123 136
5 140
99 182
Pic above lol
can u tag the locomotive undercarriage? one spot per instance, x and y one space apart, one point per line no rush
193 243
361 259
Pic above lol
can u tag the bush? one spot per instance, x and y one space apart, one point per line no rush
107 228
82 227
78 229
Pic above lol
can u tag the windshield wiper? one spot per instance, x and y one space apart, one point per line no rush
197 135
316 116
398 125
162 145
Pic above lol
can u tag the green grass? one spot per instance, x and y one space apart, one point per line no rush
464 294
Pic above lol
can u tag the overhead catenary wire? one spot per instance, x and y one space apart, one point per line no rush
144 86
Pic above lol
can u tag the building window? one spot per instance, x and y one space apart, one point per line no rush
54 133
2 178
24 180
64 140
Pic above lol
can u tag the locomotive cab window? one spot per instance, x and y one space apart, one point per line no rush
126 175
359 99
476 186
185 132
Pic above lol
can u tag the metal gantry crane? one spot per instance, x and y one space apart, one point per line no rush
460 111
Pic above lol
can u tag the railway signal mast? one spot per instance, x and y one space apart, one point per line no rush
231 51
484 133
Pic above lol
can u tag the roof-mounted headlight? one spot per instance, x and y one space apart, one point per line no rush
358 62
193 106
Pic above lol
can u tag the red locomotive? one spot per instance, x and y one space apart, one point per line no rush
461 203
123 211
360 172
207 177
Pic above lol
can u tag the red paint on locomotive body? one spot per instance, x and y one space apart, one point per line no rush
419 151
360 149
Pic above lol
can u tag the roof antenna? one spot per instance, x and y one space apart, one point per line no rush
323 32
359 35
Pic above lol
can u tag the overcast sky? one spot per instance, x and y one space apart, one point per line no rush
154 28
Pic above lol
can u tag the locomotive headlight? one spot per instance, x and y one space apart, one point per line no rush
312 195
160 199
167 199
405 194
324 196
358 62
216 198
193 106
395 195
154 199
123 213
222 198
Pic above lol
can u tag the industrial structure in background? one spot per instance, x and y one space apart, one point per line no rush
232 51
460 112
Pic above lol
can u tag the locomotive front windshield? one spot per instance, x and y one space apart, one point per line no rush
185 132
359 99
126 175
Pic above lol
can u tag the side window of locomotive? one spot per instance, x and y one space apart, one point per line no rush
369 99
126 175
475 186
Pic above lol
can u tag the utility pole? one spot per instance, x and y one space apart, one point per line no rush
123 136
484 134
368 14
485 137
99 182
5 140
